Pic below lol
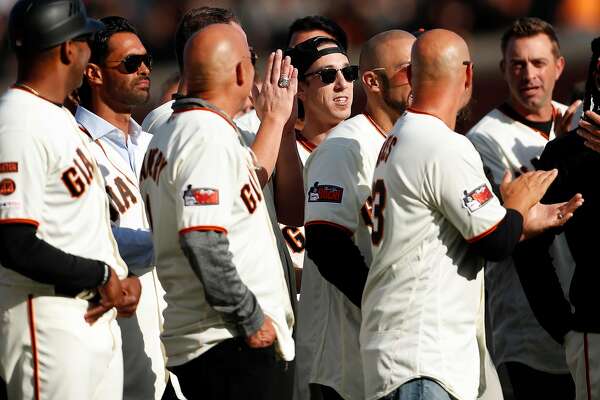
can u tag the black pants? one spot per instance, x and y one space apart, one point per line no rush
232 370
529 383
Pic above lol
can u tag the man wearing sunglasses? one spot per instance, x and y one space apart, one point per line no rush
117 80
512 137
325 89
338 211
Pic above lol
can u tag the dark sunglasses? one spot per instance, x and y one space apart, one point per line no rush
328 75
132 62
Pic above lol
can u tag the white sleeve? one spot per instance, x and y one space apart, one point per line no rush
458 188
336 186
205 182
23 174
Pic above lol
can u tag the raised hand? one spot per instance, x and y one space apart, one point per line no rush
563 121
527 190
590 131
545 216
276 98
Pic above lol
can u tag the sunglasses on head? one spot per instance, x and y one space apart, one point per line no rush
132 62
328 75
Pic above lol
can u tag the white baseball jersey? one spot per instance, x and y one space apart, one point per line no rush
423 303
145 373
197 175
506 144
157 117
338 177
49 179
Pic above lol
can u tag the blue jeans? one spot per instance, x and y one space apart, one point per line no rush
419 389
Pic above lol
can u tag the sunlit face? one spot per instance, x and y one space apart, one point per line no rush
392 71
531 70
327 103
129 89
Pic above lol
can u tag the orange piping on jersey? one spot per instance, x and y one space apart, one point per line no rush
20 221
204 228
34 349
205 109
586 350
321 222
484 234
381 131
307 144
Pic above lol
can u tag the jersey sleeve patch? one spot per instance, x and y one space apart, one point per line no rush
200 196
7 186
325 194
7 167
477 198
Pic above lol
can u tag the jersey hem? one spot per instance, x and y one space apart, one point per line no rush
203 228
323 222
381 393
20 221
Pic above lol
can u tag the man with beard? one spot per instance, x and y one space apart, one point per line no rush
117 79
338 213
511 137
435 220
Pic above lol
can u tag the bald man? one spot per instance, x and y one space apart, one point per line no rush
338 227
435 221
227 330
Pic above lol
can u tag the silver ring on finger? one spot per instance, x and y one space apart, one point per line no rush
283 82
560 216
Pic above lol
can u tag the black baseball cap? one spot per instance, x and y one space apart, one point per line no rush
307 52
42 24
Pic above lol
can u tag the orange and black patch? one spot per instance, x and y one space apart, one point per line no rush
7 186
9 167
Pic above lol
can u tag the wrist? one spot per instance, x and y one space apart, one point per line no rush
106 276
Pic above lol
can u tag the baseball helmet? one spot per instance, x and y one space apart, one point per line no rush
42 24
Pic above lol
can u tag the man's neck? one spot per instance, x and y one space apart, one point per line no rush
45 88
383 117
119 119
315 131
543 114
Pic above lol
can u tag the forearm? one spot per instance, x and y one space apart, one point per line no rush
338 259
210 259
266 146
500 244
289 184
136 248
22 251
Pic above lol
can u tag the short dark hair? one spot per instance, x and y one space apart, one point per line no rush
319 22
527 27
99 49
99 41
195 20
